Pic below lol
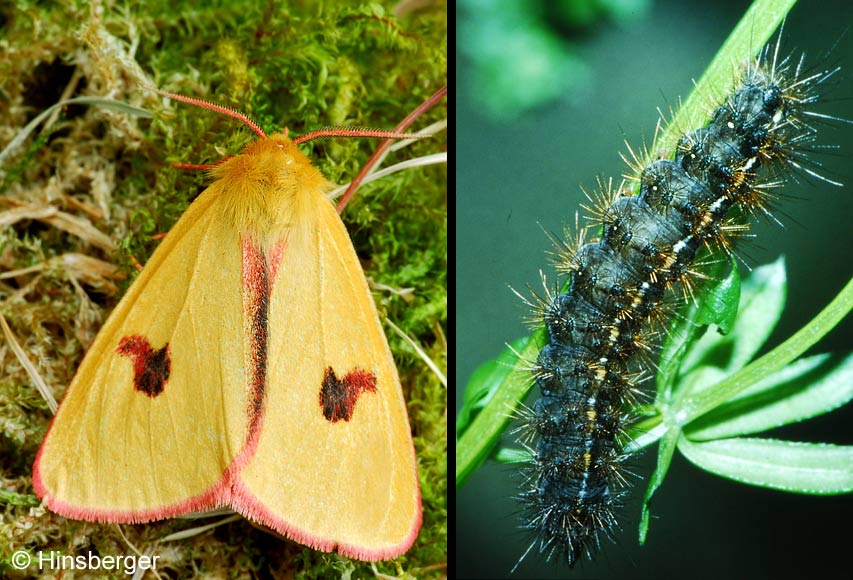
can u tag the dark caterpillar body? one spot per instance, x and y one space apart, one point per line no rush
589 372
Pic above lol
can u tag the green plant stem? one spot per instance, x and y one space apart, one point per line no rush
476 443
752 32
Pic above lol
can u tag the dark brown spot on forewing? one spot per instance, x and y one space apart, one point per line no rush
151 367
338 397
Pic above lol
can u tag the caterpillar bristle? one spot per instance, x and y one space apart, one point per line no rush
537 304
564 249
600 199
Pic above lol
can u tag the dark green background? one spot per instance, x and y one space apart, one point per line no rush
518 176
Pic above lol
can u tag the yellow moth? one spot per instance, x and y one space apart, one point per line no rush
245 367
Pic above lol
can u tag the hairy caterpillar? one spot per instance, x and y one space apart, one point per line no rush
514 189
590 373
648 245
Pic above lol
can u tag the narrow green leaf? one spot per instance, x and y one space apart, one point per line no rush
718 304
762 299
762 303
806 388
665 452
682 334
702 402
810 468
484 381
721 305
474 446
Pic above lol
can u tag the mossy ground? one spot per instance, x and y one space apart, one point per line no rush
83 197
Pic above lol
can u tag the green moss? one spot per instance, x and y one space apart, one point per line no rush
300 66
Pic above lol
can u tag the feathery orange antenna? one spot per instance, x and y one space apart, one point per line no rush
218 108
351 132
404 124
